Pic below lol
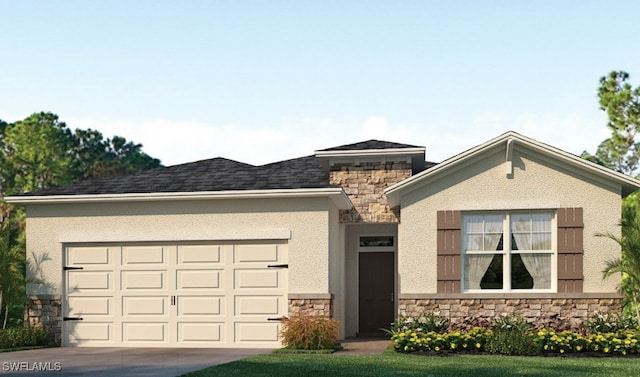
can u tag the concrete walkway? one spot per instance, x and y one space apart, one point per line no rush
364 346
107 362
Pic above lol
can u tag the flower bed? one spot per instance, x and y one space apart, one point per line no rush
413 335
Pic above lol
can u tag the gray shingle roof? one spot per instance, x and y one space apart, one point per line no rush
217 174
370 144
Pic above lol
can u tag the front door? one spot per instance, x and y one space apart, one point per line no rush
376 291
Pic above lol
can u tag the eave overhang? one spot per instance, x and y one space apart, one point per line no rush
336 195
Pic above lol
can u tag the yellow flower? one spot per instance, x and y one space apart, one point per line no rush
437 348
561 350
578 348
478 345
606 349
453 346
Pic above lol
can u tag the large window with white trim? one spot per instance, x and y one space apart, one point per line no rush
508 251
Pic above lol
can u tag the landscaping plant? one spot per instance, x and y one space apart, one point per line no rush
306 332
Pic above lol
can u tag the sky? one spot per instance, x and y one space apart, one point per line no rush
264 81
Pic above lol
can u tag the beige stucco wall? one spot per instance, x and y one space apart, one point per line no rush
536 183
303 222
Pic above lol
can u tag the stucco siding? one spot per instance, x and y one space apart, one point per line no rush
303 222
536 183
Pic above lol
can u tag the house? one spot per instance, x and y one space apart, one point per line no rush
213 253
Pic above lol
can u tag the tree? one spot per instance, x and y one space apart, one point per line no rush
36 154
98 157
628 265
621 102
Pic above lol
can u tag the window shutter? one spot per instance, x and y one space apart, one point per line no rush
448 256
570 250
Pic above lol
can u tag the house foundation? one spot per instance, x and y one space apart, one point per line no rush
545 310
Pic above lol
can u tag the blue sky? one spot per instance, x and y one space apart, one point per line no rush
262 81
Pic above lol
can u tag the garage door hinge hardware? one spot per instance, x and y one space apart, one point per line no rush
67 268
278 266
173 300
72 318
275 319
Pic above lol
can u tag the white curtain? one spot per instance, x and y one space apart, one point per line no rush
539 266
483 234
533 232
475 268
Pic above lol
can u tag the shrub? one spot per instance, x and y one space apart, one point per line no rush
411 340
511 336
424 323
607 323
24 337
310 332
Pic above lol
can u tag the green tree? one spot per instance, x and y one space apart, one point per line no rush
621 102
12 262
36 154
628 265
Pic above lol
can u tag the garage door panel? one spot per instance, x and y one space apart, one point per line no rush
143 255
200 332
200 305
88 306
89 281
199 279
144 332
147 306
256 332
154 280
257 305
255 253
255 278
88 255
89 332
199 254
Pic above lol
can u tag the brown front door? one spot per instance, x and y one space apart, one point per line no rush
376 291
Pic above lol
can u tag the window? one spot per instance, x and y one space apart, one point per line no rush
508 251
376 241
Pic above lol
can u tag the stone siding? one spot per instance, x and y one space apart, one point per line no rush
46 311
566 312
311 307
364 183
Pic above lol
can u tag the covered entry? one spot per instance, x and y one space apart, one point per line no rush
371 271
175 295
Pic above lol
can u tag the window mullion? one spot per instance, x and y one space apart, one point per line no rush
506 257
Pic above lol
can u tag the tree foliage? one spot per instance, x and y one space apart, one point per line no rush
40 152
628 265
621 102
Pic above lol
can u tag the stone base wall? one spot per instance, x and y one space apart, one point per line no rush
569 313
319 307
46 311
364 183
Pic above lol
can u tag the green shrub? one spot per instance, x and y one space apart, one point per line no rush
23 337
412 340
511 336
607 323
310 332
425 322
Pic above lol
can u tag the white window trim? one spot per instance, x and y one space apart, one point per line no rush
506 252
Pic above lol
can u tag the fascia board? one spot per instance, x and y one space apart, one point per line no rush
337 195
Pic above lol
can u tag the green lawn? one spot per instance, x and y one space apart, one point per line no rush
394 364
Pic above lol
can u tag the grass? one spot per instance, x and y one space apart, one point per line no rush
395 364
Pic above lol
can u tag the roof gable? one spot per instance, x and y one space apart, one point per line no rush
507 141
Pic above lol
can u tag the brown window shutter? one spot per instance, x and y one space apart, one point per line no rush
448 257
570 250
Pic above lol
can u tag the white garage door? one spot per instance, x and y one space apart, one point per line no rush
185 295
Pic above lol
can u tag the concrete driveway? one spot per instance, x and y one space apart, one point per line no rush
99 362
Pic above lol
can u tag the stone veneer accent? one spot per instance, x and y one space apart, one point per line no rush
46 311
543 310
364 183
313 305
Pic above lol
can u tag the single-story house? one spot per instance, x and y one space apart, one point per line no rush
213 253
